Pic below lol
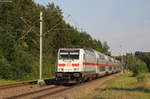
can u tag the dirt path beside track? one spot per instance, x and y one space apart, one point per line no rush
82 89
55 91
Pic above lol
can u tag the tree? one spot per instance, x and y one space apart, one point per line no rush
145 56
19 39
136 65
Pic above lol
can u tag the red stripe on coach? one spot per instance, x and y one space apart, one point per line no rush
75 65
93 64
87 63
61 65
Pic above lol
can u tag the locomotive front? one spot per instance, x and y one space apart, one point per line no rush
69 64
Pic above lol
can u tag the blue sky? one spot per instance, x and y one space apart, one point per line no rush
124 24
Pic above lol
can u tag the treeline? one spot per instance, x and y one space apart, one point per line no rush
138 62
19 39
144 56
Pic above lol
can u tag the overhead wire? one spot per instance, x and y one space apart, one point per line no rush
76 24
59 22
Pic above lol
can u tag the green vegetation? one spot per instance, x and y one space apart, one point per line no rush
144 56
143 78
41 83
136 65
6 82
123 87
19 39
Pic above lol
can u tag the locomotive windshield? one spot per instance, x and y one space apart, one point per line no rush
69 54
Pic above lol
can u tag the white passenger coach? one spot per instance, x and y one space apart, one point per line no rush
80 64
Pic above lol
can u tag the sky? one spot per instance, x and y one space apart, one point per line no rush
124 24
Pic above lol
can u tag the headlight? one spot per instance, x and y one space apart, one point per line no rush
60 69
76 69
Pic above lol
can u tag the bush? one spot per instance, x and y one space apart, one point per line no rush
143 81
21 71
137 66
143 77
5 69
17 69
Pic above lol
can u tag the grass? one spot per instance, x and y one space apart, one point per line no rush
122 87
6 82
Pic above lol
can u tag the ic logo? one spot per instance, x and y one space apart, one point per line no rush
68 64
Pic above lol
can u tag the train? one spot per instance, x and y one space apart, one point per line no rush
83 64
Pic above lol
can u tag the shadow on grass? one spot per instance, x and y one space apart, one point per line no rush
139 89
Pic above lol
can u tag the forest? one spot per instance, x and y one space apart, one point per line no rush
19 39
20 46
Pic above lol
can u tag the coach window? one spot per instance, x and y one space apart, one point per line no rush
83 56
102 68
110 68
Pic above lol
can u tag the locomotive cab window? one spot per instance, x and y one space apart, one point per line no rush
69 54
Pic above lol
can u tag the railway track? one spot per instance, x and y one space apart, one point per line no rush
52 90
17 85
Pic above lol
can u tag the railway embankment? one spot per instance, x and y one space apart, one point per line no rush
54 90
123 87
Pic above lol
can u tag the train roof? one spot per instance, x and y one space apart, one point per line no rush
106 57
76 49
68 48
